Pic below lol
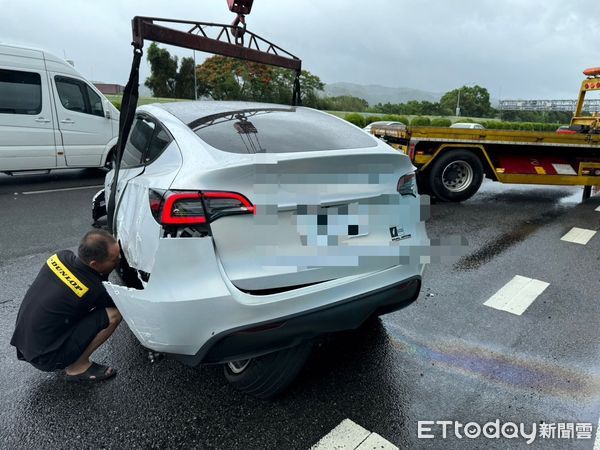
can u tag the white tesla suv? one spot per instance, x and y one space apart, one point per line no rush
248 229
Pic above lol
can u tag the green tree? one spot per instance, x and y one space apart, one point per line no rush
474 101
537 116
356 119
225 78
184 80
344 103
412 107
440 122
310 85
420 121
163 71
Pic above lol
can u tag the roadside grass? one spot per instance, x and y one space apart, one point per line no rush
362 118
453 119
116 99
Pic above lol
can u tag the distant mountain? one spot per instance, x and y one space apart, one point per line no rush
380 94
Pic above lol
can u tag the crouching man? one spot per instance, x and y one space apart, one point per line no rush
67 314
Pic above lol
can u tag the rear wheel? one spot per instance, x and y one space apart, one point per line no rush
456 175
266 376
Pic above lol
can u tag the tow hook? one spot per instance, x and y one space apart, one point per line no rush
154 356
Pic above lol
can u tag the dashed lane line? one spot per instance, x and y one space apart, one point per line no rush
597 440
78 188
517 295
597 209
374 441
578 236
351 436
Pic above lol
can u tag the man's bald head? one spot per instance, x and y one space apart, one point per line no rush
95 245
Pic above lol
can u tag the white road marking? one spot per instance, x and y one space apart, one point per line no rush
516 296
597 209
351 436
597 440
374 441
64 189
578 236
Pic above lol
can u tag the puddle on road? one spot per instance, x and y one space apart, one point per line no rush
528 193
574 198
506 240
503 369
555 201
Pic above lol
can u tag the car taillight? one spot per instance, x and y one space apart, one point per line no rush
155 198
196 208
183 208
220 204
406 185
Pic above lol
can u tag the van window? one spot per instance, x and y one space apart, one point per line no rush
75 95
95 102
138 141
20 92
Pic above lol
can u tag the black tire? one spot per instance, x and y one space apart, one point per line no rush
456 175
269 375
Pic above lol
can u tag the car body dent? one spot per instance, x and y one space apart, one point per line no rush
137 230
184 305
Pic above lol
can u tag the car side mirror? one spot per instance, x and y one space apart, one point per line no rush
107 114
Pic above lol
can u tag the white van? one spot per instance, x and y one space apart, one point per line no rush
51 117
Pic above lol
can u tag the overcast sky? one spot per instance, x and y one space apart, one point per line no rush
514 48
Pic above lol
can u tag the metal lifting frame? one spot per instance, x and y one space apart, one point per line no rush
230 41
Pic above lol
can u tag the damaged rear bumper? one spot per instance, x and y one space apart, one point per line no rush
263 338
191 310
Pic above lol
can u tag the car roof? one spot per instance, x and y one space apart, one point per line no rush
190 111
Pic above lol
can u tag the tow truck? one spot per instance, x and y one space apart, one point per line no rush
452 162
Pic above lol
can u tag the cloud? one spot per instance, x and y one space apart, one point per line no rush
515 48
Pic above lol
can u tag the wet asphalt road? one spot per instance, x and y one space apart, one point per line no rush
446 357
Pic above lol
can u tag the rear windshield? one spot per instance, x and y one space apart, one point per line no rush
279 130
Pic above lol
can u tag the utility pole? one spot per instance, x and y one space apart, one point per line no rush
195 79
458 100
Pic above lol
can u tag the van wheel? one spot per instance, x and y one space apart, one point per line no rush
269 375
456 175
